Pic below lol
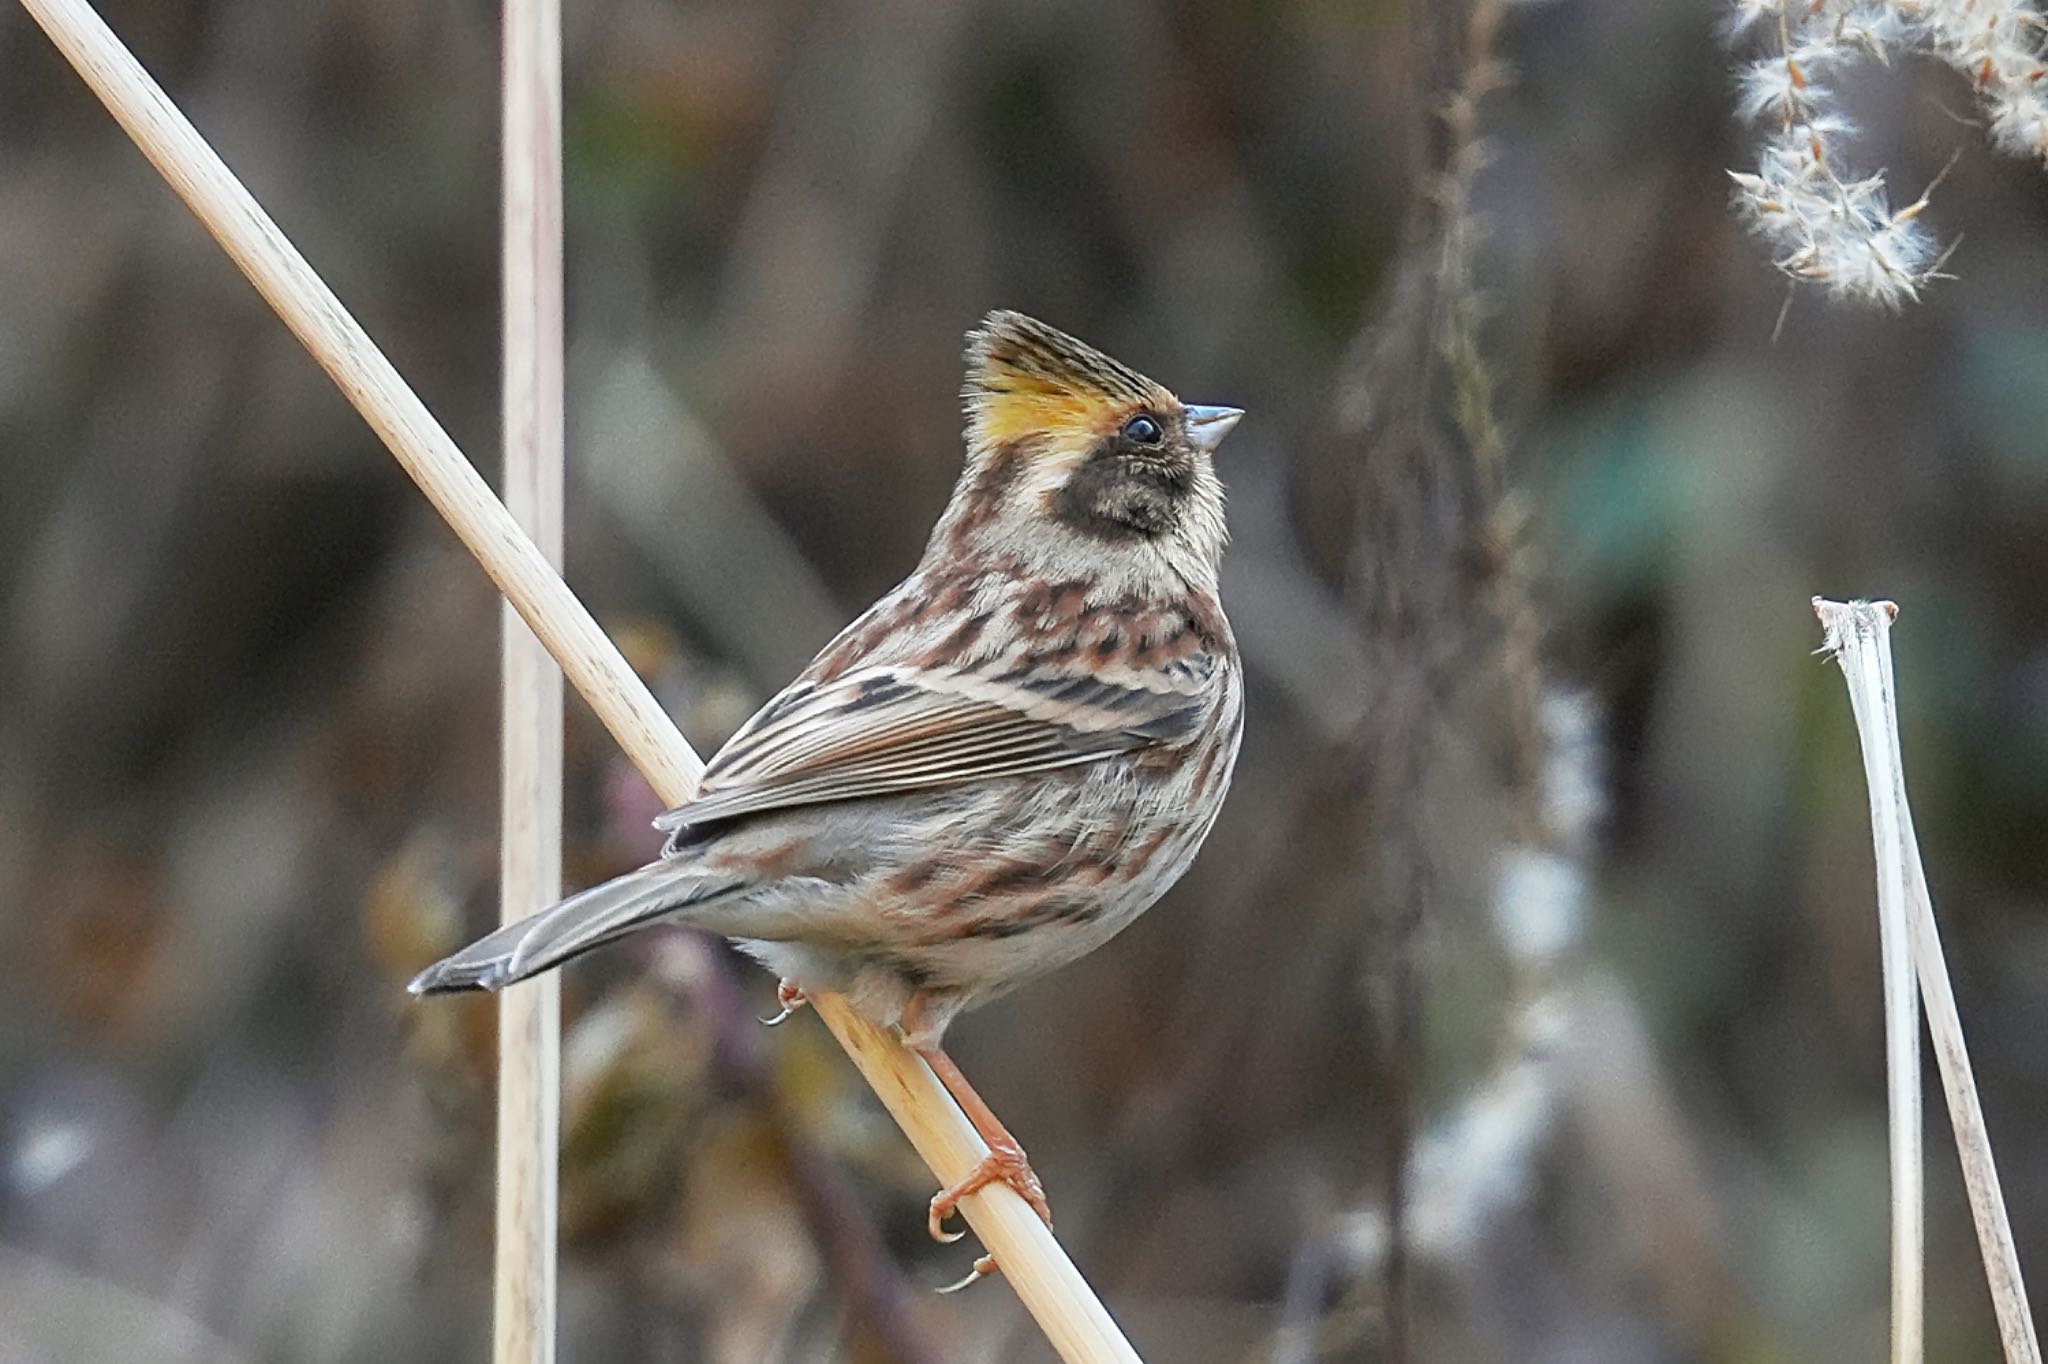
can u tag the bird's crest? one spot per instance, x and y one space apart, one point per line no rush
1024 377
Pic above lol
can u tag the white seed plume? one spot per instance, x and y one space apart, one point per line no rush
1829 227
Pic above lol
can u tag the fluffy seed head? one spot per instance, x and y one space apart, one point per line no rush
1834 228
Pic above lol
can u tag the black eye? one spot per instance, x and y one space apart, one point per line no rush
1144 430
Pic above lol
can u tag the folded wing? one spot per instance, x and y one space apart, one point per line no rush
884 730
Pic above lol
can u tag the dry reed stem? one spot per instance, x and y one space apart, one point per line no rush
1966 1116
1871 699
524 1311
1858 634
1033 1262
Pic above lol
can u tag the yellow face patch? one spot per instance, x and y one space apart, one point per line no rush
1062 416
1027 379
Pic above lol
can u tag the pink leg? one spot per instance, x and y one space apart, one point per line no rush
1005 1162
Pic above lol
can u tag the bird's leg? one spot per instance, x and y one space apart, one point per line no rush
1005 1162
790 996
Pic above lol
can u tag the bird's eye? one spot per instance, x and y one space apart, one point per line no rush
1144 430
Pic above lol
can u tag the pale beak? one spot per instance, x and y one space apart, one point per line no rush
1207 426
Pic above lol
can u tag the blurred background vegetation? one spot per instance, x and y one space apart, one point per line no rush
1524 1005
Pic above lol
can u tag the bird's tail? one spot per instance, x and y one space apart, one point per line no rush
585 920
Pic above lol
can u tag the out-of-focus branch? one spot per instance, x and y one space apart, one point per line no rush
1427 578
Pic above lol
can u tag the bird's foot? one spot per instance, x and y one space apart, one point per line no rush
790 996
1004 1164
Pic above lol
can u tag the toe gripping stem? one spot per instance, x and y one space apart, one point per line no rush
789 996
1004 1164
983 1267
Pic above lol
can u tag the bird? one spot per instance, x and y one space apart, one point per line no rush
995 768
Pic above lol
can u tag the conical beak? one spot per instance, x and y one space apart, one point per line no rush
1207 426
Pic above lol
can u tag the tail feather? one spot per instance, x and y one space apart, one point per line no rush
585 920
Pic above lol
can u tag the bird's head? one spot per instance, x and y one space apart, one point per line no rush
1075 457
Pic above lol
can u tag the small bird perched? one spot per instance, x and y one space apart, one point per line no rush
1000 764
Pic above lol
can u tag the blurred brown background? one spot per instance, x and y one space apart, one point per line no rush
1524 1005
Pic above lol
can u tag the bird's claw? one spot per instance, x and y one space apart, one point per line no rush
983 1267
790 996
1004 1164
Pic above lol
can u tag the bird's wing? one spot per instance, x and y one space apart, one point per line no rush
887 729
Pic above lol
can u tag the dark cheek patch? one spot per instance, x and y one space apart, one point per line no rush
1119 498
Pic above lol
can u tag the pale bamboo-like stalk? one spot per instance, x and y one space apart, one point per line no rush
1858 634
1966 1115
1033 1262
524 1314
1871 699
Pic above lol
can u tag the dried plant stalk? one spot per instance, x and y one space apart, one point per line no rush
1871 698
530 829
1858 635
1033 1262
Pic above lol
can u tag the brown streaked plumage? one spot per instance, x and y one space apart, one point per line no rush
1002 762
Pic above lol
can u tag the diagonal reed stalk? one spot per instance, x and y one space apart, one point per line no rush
1858 634
1076 1323
530 827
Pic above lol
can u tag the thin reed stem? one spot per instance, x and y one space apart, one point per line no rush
1859 637
530 832
1033 1262
1871 698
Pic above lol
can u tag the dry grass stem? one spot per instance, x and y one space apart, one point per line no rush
530 832
1871 698
1033 1262
1858 635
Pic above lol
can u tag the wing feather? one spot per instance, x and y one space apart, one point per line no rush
885 730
